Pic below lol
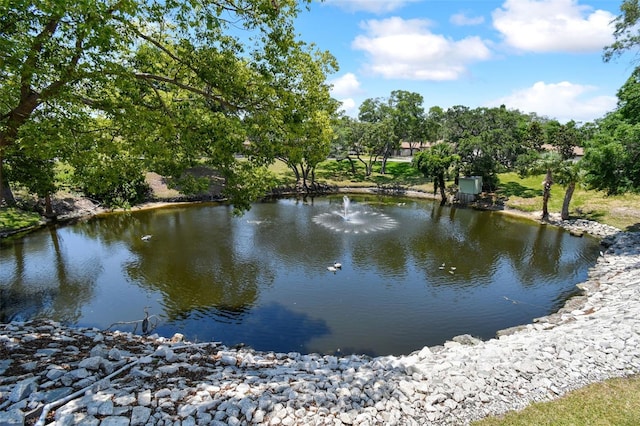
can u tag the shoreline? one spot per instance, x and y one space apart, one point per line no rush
89 376
84 209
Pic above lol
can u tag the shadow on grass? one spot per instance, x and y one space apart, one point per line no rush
633 228
593 215
14 219
397 173
403 174
509 189
340 171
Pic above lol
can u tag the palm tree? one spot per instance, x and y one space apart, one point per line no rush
536 163
568 174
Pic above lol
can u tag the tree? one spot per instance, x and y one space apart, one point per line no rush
380 137
491 143
534 163
300 130
408 117
612 155
568 174
344 130
534 136
372 140
435 162
612 159
171 82
629 99
563 137
434 125
626 30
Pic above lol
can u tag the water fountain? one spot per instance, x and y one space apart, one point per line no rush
348 220
346 203
261 279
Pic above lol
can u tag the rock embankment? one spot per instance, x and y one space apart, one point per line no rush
50 374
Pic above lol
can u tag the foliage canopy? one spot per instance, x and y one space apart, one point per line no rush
152 85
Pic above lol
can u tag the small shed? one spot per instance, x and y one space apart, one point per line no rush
468 188
470 185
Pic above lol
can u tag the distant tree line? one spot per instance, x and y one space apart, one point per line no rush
489 141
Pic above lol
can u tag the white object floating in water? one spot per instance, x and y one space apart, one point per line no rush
146 237
451 272
453 268
332 269
337 265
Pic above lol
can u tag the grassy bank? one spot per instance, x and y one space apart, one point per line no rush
13 219
513 192
621 211
614 402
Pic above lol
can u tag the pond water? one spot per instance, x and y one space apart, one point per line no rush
413 273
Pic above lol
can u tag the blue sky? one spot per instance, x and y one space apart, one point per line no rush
542 56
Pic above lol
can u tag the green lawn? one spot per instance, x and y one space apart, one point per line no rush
12 219
621 211
615 402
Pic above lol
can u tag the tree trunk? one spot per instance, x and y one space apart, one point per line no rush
296 172
367 166
443 193
48 209
546 194
353 165
6 195
303 173
567 200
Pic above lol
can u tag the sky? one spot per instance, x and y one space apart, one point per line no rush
535 56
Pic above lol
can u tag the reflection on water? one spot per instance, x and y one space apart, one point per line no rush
262 278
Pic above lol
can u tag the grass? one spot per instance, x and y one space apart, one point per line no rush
397 173
614 402
12 219
621 211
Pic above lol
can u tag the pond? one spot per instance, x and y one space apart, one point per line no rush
412 273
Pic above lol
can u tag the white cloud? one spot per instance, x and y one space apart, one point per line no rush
372 6
553 26
562 101
461 19
406 49
349 107
346 85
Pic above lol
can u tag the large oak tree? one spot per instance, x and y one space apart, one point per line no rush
115 87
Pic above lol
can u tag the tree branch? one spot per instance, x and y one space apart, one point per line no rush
30 63
175 82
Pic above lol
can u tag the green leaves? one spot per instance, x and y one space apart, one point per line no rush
626 30
159 86
435 161
612 162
